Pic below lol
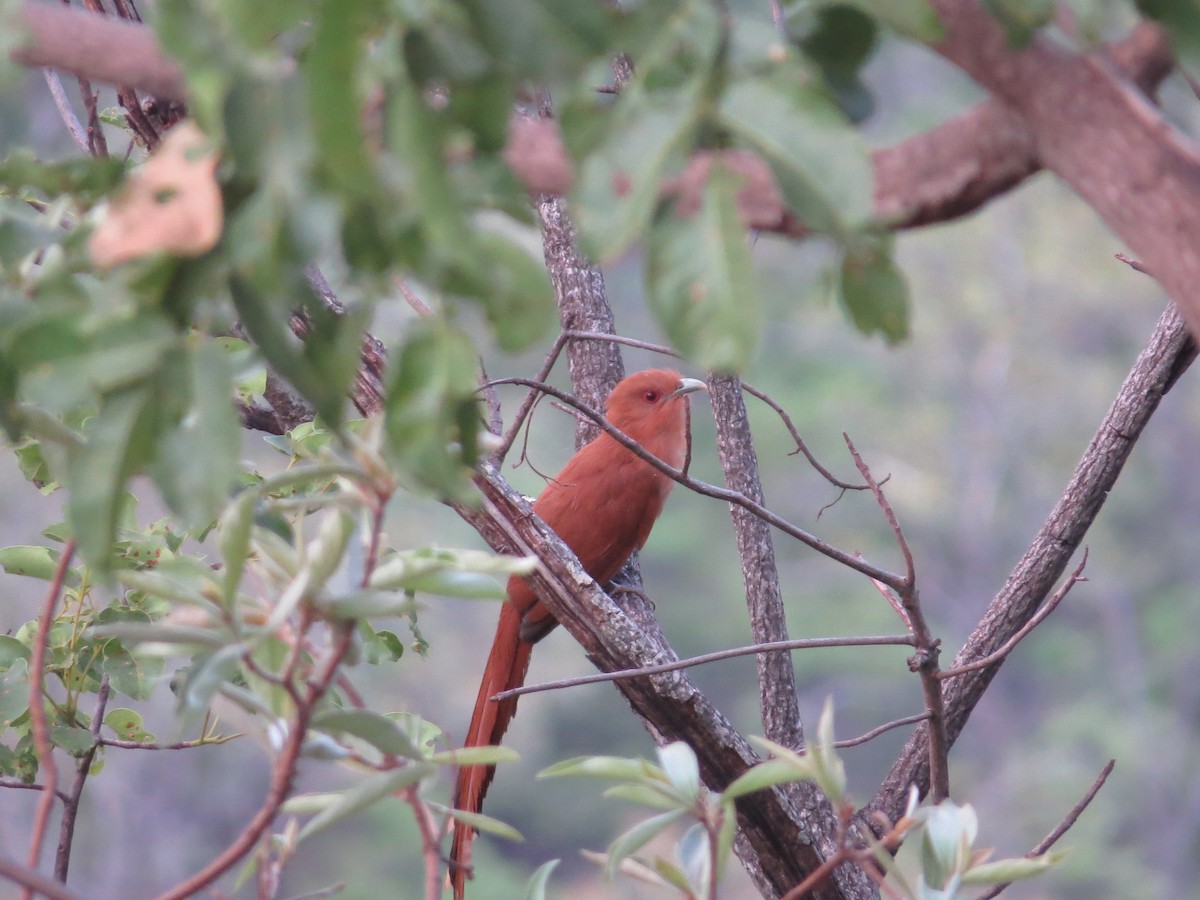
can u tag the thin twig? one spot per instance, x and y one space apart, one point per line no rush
715 656
620 339
37 712
65 112
711 490
1038 618
925 661
885 727
282 775
431 838
1061 828
22 786
34 882
529 402
802 447
876 487
420 307
177 745
66 829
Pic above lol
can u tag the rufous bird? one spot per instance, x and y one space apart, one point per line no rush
602 504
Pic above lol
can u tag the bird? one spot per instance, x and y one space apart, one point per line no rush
602 504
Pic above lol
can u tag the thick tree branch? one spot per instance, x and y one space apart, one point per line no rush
1169 352
1097 132
98 47
764 597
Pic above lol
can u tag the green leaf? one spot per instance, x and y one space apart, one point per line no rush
364 795
379 731
320 368
476 756
206 676
469 585
198 459
683 771
536 890
914 19
127 725
432 416
873 290
766 774
701 281
637 837
1005 870
517 293
366 604
482 823
67 363
36 562
543 40
380 645
615 767
11 650
233 540
654 796
87 178
118 441
128 675
818 159
332 68
840 39
76 741
14 692
1021 18
620 181
417 135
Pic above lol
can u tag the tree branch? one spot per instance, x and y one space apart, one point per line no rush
781 646
1098 133
98 47
1169 352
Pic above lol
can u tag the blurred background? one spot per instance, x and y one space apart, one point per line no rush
1024 326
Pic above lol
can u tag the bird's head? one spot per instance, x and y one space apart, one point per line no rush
652 404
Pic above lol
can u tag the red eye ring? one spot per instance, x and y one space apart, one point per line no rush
651 396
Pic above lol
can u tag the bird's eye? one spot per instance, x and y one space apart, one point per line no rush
651 396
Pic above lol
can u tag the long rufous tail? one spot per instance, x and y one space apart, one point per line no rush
505 669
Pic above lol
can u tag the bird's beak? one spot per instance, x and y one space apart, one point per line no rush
688 386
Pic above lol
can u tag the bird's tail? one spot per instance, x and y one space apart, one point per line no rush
505 669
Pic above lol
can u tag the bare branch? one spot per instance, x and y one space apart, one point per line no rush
802 447
34 882
66 829
22 786
1041 615
1061 828
1168 353
715 656
925 660
65 112
882 729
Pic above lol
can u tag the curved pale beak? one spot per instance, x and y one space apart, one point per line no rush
688 386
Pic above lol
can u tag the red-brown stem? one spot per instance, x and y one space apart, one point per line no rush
37 713
282 775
